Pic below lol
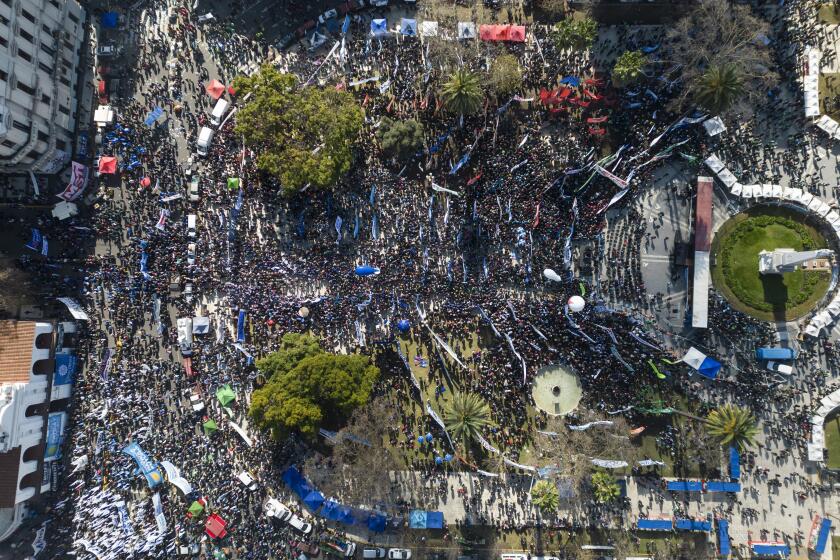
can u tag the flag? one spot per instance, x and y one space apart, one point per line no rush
338 222
35 242
44 249
345 27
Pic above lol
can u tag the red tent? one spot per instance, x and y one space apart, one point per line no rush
487 32
231 90
215 89
215 526
517 34
107 164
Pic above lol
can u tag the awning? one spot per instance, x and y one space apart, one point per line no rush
705 366
225 395
215 527
685 486
822 537
654 525
775 550
215 89
466 30
723 537
379 27
734 464
107 165
693 525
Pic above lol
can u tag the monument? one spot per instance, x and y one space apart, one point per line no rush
780 261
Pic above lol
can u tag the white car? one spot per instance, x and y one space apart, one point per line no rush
300 525
191 254
329 14
378 3
274 508
247 480
193 188
780 368
195 402
399 554
371 552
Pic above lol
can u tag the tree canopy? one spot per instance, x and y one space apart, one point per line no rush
574 34
604 487
732 425
628 67
465 416
307 386
719 88
544 495
505 76
400 139
462 93
302 134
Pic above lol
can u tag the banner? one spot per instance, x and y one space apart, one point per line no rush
61 158
518 466
147 467
106 364
240 326
161 223
607 464
45 249
588 425
159 517
125 522
65 369
78 182
40 542
55 427
616 197
173 474
35 241
621 183
439 422
486 317
241 433
487 445
446 347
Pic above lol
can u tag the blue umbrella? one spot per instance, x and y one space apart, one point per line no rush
420 439
438 460
447 457
429 437
403 325
367 270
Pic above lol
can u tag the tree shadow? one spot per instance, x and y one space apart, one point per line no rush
776 294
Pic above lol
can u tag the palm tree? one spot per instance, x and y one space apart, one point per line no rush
604 487
465 416
462 92
545 496
719 88
732 425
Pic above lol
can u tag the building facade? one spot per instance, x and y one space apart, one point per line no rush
40 46
36 375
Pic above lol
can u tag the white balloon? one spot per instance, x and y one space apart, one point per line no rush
551 275
303 312
576 304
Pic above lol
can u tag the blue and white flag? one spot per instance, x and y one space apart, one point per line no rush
240 326
345 27
338 223
44 247
35 242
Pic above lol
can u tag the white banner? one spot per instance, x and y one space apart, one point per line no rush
588 425
173 474
487 445
518 466
74 308
55 163
40 542
78 182
446 347
609 175
607 464
440 423
242 433
159 517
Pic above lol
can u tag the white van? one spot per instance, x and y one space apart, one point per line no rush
780 367
205 137
247 480
514 556
191 225
218 112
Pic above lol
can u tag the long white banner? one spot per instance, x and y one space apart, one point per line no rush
78 182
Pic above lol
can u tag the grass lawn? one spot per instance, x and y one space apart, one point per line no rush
832 440
768 297
828 14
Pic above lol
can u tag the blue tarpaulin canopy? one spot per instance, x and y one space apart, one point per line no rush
367 270
376 522
654 525
109 20
779 550
723 537
313 500
685 486
573 81
721 486
296 482
419 519
379 26
408 27
153 116
705 366
692 525
331 510
734 464
822 538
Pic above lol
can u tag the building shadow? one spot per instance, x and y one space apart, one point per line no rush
776 294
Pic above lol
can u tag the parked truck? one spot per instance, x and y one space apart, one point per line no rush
775 353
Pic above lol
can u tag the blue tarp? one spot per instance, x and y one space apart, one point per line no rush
776 550
434 520
153 116
822 538
296 482
376 522
655 525
313 500
709 368
419 519
573 81
109 20
379 26
692 525
721 486
331 510
723 537
408 27
734 464
367 270
685 486
240 326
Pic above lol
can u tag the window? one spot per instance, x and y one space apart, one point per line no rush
4 20
25 88
55 3
44 67
4 76
73 18
64 81
47 49
43 136
27 15
66 63
68 45
33 154
8 144
26 35
64 110
20 126
25 55
60 144
46 99
7 2
4 41
46 29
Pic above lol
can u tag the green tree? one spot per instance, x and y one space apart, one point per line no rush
553 8
545 496
719 88
400 139
505 76
732 425
574 34
461 93
628 67
604 487
307 386
303 134
465 415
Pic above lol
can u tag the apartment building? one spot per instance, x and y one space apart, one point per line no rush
40 46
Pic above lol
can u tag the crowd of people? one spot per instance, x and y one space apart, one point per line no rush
458 268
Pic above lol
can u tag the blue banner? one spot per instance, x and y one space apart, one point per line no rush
65 369
55 426
145 464
35 242
153 116
240 326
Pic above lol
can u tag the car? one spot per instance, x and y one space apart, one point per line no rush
191 225
191 254
300 524
196 401
339 548
544 558
247 480
332 13
273 508
514 556
780 368
194 188
373 552
105 51
399 554
188 292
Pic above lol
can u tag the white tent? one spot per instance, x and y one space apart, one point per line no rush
64 210
429 29
714 126
737 189
815 204
806 198
794 195
466 30
828 124
201 325
103 115
776 191
823 209
714 163
766 190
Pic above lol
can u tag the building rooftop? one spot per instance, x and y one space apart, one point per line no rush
17 339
